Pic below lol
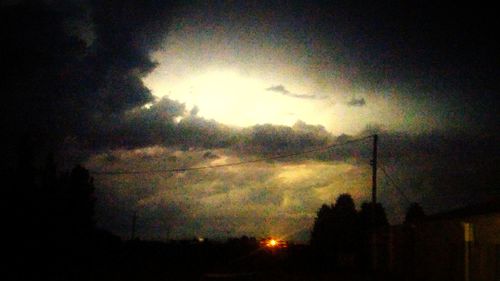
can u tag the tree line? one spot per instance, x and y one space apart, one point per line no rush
341 235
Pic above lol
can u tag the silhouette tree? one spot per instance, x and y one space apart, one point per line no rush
341 235
77 193
371 217
50 215
335 233
345 230
345 204
320 236
414 213
345 223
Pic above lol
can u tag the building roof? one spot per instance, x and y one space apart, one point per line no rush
489 207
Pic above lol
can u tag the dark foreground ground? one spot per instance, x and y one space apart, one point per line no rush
236 259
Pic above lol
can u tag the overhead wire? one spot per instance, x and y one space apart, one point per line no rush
393 183
231 164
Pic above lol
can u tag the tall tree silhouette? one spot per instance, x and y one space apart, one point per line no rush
345 224
335 232
321 240
50 220
341 235
373 217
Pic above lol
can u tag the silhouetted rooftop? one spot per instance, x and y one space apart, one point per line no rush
489 207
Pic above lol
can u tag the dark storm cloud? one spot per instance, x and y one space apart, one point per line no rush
442 170
357 102
139 127
444 52
67 67
76 71
275 139
413 40
282 90
125 34
168 123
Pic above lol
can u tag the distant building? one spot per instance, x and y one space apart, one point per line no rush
463 244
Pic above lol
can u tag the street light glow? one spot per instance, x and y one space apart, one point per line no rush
272 243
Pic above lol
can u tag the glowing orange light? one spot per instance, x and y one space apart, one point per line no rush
272 243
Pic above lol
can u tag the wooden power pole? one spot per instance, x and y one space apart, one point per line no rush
374 172
374 202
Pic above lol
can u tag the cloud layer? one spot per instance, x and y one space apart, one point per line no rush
281 197
67 67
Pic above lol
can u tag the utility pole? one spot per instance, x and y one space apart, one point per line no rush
374 171
374 202
468 239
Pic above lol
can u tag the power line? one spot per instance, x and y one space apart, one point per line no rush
393 183
235 163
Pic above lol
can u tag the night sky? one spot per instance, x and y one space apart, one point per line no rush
150 86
